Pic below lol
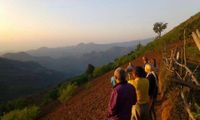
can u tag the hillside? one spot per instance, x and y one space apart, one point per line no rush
92 101
92 105
19 79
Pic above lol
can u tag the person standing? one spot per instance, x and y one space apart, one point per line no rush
153 89
129 69
141 110
145 61
123 97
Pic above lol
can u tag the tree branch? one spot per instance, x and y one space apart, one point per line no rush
186 84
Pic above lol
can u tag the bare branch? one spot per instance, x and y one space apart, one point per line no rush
189 71
185 62
187 84
196 38
187 106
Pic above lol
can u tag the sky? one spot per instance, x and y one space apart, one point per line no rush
29 24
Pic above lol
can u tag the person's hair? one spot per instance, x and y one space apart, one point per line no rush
121 74
148 68
139 72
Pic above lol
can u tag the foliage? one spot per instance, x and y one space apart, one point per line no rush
67 91
90 70
79 80
103 69
177 33
11 105
52 95
28 113
158 27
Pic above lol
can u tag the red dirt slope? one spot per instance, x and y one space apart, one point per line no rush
90 103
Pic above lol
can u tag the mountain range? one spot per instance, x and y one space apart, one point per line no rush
24 78
29 72
73 60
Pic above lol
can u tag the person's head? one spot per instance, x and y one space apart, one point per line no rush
130 64
120 75
145 59
139 72
148 68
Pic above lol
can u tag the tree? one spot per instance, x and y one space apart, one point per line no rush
90 70
139 46
158 27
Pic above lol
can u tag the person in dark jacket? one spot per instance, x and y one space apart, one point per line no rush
123 97
153 89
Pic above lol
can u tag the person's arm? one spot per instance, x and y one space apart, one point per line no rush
112 109
135 96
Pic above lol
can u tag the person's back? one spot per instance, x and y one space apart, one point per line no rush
153 84
153 89
141 110
126 98
142 89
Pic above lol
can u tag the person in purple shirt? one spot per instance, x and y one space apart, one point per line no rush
123 97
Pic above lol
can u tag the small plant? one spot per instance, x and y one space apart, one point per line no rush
28 113
67 92
12 105
103 69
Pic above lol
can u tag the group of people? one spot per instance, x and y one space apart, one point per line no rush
134 92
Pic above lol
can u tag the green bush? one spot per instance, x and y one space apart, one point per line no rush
28 113
52 95
67 91
12 105
103 69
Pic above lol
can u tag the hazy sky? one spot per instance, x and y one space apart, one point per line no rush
27 24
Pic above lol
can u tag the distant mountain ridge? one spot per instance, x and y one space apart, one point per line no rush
82 48
24 78
72 65
74 60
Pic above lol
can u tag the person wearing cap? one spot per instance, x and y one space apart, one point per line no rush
153 88
141 110
123 97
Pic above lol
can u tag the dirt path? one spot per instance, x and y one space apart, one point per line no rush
91 103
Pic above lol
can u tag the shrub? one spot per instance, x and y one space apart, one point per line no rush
12 105
67 92
90 70
79 80
52 95
28 113
103 69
